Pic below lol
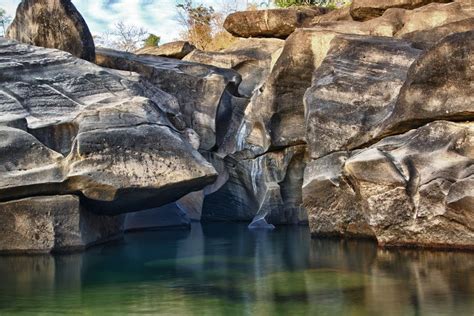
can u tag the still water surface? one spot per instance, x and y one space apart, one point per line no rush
225 269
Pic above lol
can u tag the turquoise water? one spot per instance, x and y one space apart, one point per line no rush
225 269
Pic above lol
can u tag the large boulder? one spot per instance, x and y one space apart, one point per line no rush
52 24
425 39
363 10
205 94
354 90
426 25
275 116
177 49
279 23
368 88
53 223
341 14
431 16
78 128
413 189
439 85
252 58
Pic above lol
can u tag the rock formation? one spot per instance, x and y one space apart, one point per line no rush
52 24
177 49
53 223
252 58
411 189
362 10
79 129
278 23
204 93
359 122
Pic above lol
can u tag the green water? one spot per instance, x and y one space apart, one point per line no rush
225 269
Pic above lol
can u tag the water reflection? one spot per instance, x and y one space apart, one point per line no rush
219 269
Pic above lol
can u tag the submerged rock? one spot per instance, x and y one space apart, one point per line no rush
411 189
177 49
52 24
90 131
53 223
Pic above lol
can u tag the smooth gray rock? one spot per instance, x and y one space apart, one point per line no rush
90 131
204 93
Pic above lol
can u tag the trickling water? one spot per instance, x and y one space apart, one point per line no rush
256 172
241 136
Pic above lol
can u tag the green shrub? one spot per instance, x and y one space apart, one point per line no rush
152 41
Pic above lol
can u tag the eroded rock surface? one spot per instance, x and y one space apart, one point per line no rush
90 131
252 58
278 23
354 90
413 189
363 10
265 187
53 223
204 93
177 49
368 88
52 24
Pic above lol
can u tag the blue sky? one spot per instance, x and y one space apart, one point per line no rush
157 16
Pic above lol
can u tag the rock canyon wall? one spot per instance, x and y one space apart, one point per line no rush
357 121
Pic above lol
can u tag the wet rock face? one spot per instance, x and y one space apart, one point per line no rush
53 223
265 187
90 131
204 93
177 50
278 23
363 10
52 24
412 189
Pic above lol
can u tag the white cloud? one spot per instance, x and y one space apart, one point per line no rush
157 16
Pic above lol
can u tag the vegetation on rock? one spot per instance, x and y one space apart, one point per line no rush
152 41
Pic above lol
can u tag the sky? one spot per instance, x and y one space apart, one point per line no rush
156 16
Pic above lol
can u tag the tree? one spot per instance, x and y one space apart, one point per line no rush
4 20
152 40
128 37
203 26
197 21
